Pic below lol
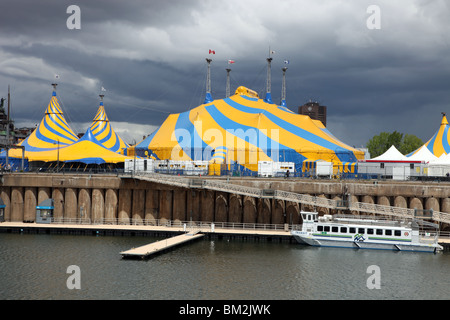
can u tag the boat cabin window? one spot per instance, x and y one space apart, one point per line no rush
388 232
369 231
343 229
397 233
352 230
319 228
335 229
326 228
361 230
380 232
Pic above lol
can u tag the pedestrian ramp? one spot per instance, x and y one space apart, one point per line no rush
160 246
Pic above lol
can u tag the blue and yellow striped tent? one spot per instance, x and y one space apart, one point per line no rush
440 141
52 130
87 150
105 134
245 129
54 141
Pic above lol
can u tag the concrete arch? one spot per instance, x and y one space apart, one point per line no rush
17 204
334 211
207 205
278 211
221 214
124 205
292 213
432 203
321 210
138 206
5 194
354 199
400 202
264 211
308 207
98 205
70 204
58 203
250 211
445 207
415 203
111 205
235 208
179 206
30 203
44 193
151 206
84 204
383 201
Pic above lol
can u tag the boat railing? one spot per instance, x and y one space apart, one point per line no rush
428 237
368 220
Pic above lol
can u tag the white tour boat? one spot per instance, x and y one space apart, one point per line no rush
361 232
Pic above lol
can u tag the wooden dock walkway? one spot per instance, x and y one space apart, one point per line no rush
159 246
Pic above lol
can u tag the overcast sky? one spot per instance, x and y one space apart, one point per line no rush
150 57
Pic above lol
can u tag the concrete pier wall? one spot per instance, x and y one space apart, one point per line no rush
126 200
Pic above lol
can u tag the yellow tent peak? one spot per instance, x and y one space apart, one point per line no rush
243 91
444 120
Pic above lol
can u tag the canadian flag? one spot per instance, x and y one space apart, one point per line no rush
212 51
230 61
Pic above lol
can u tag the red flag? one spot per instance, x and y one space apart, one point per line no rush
230 61
212 51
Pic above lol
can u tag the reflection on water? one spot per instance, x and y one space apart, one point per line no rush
35 267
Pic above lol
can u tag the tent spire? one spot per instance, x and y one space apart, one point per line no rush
208 97
283 88
54 88
268 98
227 94
444 119
101 95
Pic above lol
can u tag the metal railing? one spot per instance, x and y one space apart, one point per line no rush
196 225
363 207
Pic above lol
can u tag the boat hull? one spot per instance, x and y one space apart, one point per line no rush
304 238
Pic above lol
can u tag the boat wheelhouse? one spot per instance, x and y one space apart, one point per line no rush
362 232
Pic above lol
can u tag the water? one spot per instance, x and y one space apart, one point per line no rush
35 267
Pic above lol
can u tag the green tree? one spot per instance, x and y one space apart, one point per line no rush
405 143
410 143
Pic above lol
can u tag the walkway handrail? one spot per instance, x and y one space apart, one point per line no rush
211 184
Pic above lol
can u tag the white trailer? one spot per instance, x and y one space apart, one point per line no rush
139 165
324 169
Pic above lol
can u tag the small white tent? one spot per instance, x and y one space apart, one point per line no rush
392 154
439 167
424 154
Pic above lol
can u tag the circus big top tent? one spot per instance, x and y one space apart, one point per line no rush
440 142
245 129
54 141
104 133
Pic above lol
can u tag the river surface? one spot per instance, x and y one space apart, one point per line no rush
36 267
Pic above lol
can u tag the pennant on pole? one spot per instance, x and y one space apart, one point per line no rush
230 61
212 51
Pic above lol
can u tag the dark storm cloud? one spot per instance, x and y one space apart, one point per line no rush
150 57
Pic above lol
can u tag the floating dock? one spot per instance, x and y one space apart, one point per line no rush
159 246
